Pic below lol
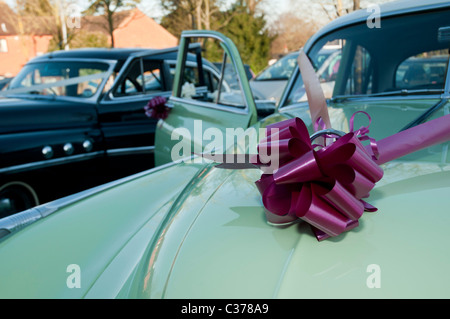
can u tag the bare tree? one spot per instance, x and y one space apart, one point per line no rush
251 5
292 32
191 14
337 8
36 17
109 8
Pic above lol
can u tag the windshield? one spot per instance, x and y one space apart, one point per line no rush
74 79
280 70
403 56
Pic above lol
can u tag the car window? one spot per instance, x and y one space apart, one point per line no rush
380 61
74 79
425 70
326 63
280 70
143 77
359 79
220 87
191 75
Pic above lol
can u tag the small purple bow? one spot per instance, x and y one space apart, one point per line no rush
156 108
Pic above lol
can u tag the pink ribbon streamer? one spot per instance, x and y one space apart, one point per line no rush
316 98
430 133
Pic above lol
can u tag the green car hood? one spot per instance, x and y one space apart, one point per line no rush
231 252
151 238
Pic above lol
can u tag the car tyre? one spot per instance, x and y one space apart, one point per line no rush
16 197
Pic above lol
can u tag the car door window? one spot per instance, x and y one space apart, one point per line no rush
211 103
423 71
326 62
191 76
342 67
143 77
360 77
220 86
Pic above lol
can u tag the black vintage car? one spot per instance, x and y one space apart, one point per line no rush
74 119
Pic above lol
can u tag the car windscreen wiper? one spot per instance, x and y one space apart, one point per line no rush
408 92
425 115
403 92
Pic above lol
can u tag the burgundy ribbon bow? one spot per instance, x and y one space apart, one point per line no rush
324 186
156 108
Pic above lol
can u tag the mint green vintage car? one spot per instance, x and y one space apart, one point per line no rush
188 229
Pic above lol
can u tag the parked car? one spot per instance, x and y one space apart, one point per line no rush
4 82
270 82
248 70
71 120
188 229
421 73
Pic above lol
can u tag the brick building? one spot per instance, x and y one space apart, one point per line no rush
18 43
133 29
22 39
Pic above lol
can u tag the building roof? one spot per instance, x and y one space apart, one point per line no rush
12 24
113 54
128 30
98 23
7 20
94 53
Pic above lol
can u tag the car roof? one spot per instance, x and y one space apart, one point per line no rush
94 53
110 54
386 10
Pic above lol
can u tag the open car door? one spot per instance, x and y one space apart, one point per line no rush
207 98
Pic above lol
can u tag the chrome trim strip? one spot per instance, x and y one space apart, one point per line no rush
112 100
329 131
131 150
56 161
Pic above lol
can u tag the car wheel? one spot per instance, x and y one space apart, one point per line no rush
16 197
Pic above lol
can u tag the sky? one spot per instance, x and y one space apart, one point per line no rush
274 7
150 7
271 8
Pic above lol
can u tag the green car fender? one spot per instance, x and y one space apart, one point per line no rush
91 247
